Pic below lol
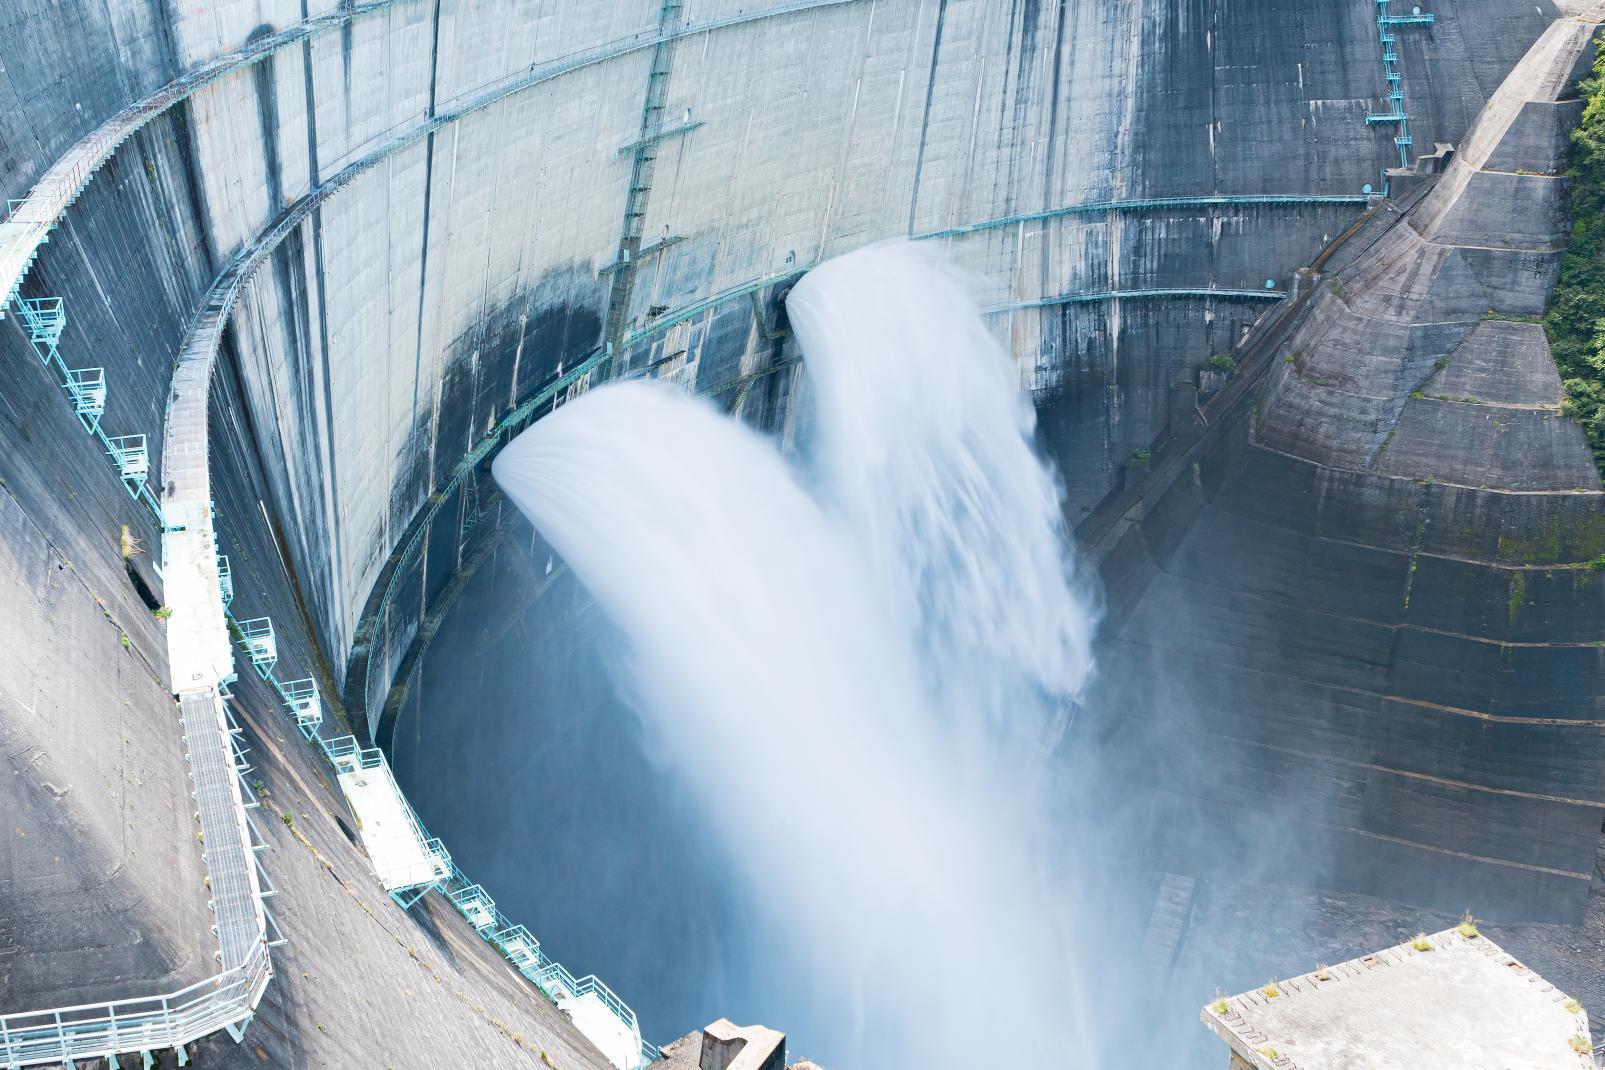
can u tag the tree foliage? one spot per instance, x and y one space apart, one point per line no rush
1575 322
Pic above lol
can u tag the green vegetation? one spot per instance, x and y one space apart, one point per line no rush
1142 458
1573 1007
1222 363
1580 1045
1218 1007
1576 320
1267 1051
1270 991
289 820
161 612
1510 318
1468 927
1518 594
1421 943
1579 537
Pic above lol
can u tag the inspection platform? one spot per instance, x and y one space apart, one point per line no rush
613 1037
405 859
1450 1001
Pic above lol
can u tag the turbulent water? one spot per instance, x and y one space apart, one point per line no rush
859 657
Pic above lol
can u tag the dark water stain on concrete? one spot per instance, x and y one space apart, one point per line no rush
265 85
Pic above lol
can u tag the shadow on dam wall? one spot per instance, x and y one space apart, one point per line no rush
507 358
521 754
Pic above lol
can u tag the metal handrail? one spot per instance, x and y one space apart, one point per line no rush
554 975
144 1023
439 866
1152 204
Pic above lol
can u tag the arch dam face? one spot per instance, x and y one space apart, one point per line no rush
368 242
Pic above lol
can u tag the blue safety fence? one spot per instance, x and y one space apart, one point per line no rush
45 321
345 754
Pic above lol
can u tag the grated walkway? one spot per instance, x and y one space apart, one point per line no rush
236 900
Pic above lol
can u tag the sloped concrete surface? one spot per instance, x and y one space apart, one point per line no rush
360 982
1361 631
102 890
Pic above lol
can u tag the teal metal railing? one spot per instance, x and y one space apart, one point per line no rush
515 942
1270 293
45 321
303 702
256 636
1393 77
1151 204
147 1024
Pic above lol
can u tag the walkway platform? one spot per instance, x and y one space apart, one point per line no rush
599 1013
405 859
602 1027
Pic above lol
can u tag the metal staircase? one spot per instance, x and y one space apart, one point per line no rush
1391 74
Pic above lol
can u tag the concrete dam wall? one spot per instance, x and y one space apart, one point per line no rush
810 130
414 219
1364 603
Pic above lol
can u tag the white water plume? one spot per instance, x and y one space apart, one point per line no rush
856 662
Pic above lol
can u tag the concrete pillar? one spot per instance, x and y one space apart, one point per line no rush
727 1046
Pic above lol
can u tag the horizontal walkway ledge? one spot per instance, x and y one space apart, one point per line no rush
1157 204
29 220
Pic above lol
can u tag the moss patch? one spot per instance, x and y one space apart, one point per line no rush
1576 538
1518 592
